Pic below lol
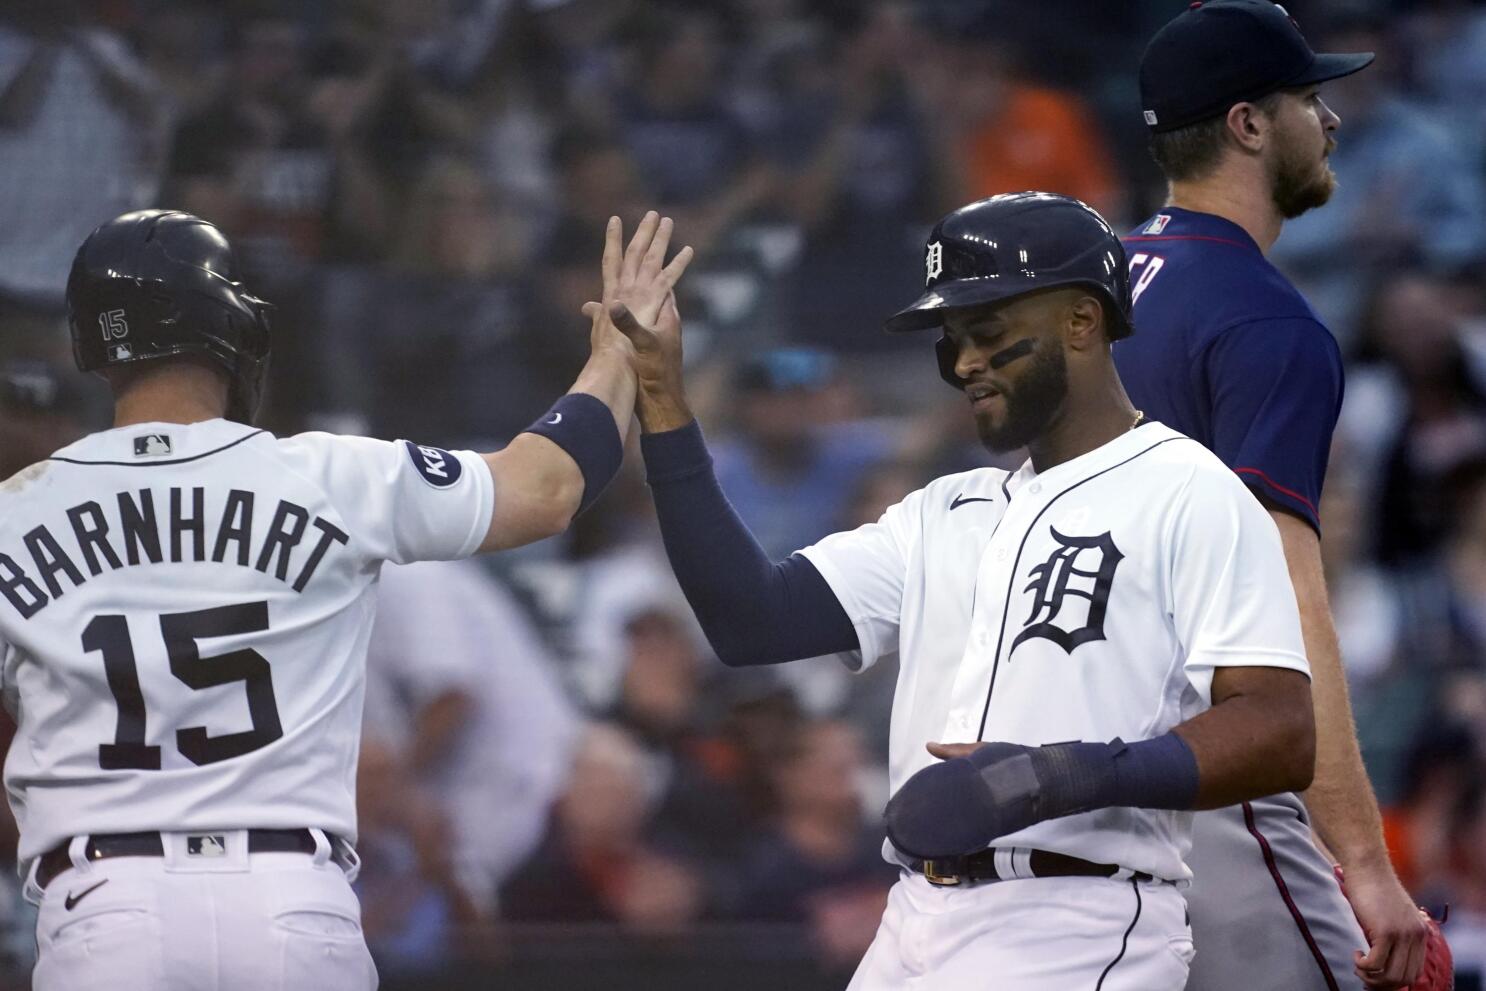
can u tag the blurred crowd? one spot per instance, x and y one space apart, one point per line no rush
420 189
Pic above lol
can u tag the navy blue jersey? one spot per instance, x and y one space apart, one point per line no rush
1227 351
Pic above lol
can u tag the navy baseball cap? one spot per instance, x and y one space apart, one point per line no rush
1213 55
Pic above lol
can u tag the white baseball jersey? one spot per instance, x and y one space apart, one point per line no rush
184 615
1091 601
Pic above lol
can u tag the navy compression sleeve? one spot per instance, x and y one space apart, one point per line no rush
752 611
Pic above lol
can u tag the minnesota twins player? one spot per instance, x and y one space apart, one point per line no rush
185 603
1231 354
1114 617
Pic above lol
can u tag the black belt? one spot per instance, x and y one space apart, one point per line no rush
105 845
977 867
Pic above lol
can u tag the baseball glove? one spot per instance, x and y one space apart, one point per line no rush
1438 970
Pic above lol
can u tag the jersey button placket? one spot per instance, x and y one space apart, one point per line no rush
997 588
962 720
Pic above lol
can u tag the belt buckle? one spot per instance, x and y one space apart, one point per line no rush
934 877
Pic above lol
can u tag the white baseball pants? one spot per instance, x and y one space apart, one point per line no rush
1037 934
232 922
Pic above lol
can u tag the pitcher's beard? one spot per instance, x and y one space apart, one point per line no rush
1297 187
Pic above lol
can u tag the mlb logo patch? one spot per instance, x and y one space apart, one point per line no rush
1157 225
119 352
434 465
152 446
206 846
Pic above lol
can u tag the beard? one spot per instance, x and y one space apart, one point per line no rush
1031 406
1297 185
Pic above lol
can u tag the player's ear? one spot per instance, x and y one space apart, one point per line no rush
1084 323
1248 126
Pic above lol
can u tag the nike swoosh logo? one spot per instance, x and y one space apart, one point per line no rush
556 419
72 899
960 500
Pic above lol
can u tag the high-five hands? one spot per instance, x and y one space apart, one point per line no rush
639 309
637 282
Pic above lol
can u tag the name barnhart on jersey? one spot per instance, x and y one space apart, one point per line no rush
163 526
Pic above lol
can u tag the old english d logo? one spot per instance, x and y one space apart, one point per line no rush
1082 567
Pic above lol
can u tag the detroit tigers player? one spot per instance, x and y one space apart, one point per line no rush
1114 615
1231 354
185 603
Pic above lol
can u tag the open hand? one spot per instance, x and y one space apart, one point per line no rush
637 282
639 308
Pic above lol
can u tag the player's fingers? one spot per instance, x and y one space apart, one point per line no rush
630 327
1409 959
592 310
655 255
1373 965
672 272
1373 959
949 751
613 253
1414 964
638 245
1369 978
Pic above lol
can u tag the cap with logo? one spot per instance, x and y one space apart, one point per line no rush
1222 52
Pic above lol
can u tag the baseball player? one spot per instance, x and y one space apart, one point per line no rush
185 603
1231 354
1113 617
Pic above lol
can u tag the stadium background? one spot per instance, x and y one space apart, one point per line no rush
421 187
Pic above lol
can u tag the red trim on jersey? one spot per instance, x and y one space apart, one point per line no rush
1276 486
1279 882
1186 237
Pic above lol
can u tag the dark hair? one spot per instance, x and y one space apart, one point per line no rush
1193 151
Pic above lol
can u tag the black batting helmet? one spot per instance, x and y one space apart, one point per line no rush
157 283
1010 245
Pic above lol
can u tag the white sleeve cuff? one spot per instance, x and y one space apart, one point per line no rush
479 473
868 650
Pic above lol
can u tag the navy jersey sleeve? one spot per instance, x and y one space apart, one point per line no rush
1276 388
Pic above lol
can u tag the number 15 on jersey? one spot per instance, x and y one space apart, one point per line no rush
109 635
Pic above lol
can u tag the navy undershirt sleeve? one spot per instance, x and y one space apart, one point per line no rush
752 610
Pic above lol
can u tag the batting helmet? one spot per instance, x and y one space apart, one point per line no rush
157 283
1010 245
